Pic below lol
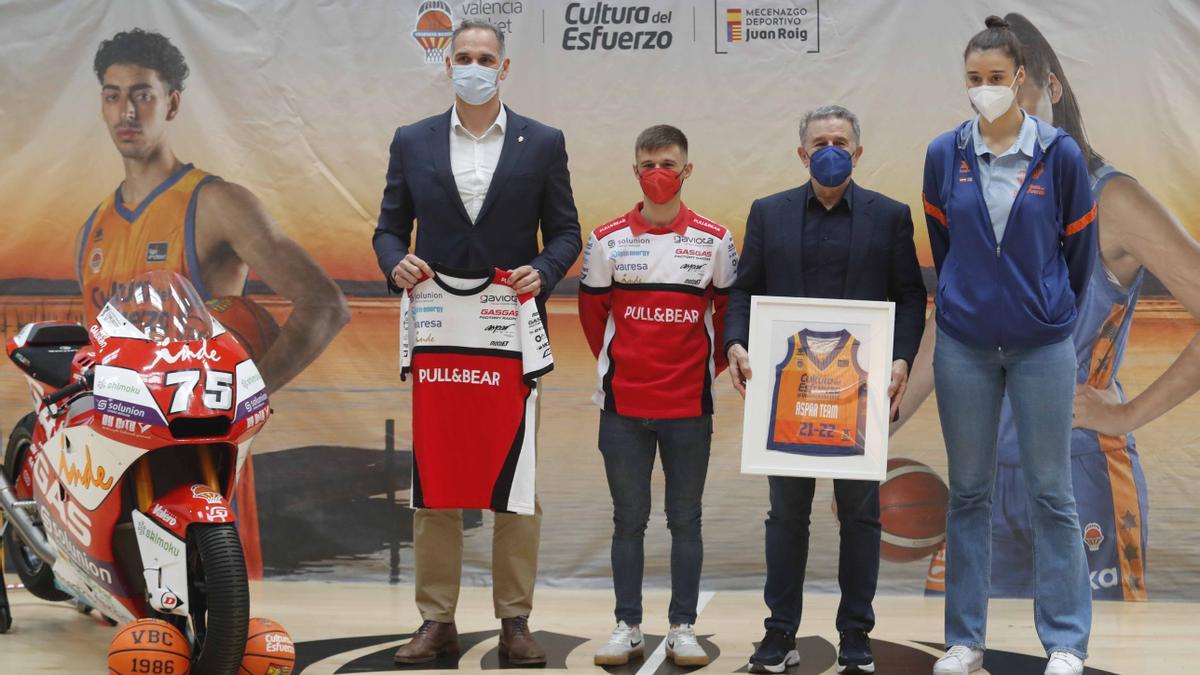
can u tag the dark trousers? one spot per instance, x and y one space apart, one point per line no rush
629 445
787 551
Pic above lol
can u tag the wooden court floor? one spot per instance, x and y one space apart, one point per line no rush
355 627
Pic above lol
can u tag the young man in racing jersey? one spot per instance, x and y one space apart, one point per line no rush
652 299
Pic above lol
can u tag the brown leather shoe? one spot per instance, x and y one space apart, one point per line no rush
518 645
433 639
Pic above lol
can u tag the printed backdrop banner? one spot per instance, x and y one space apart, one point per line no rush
298 103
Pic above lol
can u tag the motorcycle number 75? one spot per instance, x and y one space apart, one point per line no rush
218 389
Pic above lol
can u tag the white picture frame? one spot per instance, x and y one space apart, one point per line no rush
773 320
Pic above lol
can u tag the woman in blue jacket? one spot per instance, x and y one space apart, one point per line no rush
1009 209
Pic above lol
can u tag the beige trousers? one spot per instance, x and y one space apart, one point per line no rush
438 542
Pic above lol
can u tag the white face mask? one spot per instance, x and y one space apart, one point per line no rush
474 83
993 100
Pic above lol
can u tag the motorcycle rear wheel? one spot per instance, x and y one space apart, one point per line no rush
33 571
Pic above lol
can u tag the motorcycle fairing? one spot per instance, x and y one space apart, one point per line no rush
164 558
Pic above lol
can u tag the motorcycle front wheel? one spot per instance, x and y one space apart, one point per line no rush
219 595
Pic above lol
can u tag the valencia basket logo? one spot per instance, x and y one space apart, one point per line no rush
435 27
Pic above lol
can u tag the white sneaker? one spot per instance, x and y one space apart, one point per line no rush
1064 663
625 643
959 660
683 648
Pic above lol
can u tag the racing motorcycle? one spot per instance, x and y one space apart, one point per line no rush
116 490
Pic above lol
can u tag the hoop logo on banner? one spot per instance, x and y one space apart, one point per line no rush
435 27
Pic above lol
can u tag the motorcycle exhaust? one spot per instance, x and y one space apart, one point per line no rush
18 517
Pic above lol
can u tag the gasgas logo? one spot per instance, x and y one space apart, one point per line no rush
184 353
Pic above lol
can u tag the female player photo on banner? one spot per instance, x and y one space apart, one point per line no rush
819 406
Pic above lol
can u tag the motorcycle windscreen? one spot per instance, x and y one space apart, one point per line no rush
161 306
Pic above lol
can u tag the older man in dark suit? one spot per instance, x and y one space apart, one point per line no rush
829 238
480 181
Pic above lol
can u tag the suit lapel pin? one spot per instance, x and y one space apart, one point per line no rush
520 139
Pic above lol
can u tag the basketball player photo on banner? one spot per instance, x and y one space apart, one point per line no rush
818 405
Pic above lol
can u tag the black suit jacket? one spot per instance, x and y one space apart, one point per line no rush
883 262
530 190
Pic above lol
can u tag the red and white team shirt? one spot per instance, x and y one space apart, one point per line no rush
652 304
474 349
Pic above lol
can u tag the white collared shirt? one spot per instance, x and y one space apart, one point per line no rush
473 159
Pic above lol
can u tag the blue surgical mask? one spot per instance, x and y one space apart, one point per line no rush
474 83
830 166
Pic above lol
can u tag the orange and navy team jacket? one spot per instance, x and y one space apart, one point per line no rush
819 405
652 302
119 244
1025 290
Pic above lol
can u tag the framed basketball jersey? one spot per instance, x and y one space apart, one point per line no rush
819 404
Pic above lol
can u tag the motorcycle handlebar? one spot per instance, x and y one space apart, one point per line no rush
77 387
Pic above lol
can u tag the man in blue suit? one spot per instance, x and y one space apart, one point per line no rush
829 238
479 181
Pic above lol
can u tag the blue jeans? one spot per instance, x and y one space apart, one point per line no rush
787 551
1040 382
628 445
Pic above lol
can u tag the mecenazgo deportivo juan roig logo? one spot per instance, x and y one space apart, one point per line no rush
739 25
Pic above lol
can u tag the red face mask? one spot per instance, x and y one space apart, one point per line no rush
660 185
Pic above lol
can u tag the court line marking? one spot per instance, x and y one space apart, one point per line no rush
659 655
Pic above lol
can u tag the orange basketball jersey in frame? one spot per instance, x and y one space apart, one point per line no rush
119 243
820 401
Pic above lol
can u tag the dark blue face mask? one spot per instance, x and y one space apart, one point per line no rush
830 166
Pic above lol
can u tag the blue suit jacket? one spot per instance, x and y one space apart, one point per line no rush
530 190
883 262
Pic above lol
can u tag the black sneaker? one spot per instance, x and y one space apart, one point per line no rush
775 653
854 652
